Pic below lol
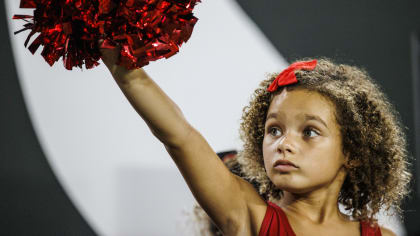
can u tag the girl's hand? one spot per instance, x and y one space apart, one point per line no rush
109 56
121 74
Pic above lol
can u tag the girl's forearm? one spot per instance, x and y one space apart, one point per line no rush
160 113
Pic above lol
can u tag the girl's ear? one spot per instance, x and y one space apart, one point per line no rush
350 164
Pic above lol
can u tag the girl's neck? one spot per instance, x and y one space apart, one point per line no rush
319 206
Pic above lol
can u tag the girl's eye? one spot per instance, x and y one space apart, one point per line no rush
274 131
309 132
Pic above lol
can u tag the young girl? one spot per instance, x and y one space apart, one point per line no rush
316 135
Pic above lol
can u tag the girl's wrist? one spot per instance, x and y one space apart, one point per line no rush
123 75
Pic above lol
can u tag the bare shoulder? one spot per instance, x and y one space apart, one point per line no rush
387 232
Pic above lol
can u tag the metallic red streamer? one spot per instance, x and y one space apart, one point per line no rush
146 30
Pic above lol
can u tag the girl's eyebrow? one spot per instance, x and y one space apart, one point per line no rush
271 115
305 115
316 118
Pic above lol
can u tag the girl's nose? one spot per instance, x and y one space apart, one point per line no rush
285 144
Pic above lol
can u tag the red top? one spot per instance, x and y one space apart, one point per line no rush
275 223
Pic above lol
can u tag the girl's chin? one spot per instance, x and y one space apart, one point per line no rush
290 183
292 188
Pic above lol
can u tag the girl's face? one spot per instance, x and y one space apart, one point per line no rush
302 142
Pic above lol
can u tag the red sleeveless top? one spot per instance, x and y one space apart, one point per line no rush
275 223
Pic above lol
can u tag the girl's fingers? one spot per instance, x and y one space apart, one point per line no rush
109 56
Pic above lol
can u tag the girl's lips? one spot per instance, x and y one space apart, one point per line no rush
284 165
284 168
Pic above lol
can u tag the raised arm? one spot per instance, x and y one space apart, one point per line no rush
232 203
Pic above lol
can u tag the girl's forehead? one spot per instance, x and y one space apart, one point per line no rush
300 102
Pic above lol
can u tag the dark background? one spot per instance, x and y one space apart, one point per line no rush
381 36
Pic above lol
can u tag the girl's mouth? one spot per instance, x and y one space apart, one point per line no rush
284 165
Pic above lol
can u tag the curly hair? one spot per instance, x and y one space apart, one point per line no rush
370 127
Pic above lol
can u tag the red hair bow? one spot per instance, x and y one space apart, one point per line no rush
288 75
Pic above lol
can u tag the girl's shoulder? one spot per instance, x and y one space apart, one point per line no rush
368 229
386 232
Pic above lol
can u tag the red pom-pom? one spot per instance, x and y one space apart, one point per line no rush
146 30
